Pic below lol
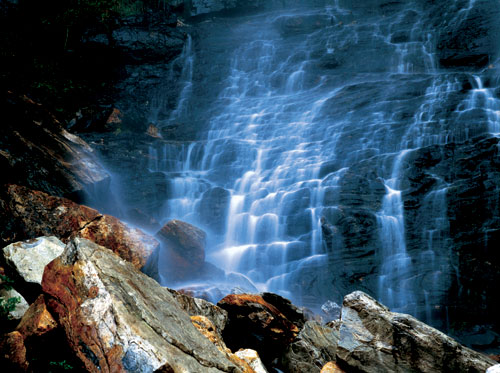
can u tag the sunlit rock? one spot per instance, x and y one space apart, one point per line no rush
373 339
29 258
253 359
116 318
37 320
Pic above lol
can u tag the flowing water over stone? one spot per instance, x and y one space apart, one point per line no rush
324 159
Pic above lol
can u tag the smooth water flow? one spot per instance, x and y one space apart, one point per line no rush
315 123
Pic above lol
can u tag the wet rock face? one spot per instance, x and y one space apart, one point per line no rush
37 152
214 207
477 28
116 318
30 214
373 339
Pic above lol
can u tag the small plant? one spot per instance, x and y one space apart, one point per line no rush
63 364
7 305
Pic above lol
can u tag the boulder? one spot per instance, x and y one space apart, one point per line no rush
256 324
253 359
37 152
315 346
373 339
494 369
183 251
30 214
117 319
37 320
13 353
29 258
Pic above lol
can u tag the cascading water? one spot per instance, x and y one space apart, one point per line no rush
314 126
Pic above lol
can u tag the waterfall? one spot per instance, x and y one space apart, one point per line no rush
315 167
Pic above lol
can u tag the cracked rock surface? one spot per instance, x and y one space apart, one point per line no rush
118 319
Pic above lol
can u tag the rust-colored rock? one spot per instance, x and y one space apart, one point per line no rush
115 118
183 250
33 214
13 353
331 367
117 319
37 320
256 324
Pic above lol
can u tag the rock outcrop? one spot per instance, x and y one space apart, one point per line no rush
373 339
37 152
29 214
116 318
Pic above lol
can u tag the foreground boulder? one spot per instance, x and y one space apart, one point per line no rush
373 339
258 325
118 319
29 214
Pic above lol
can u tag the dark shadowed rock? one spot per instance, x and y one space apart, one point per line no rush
256 324
13 353
293 313
373 339
118 319
37 152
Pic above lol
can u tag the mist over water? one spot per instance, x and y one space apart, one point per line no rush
314 128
